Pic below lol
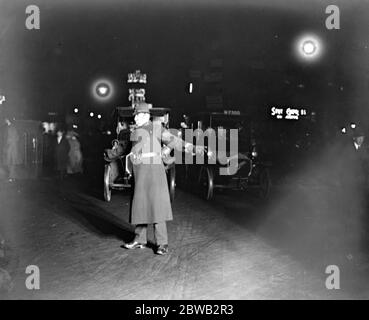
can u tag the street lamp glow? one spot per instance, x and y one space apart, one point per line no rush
91 114
102 89
353 125
308 47
75 110
99 116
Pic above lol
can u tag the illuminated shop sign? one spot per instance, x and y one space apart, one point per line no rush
137 77
136 95
232 112
288 113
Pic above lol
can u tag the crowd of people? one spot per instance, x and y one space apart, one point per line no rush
63 153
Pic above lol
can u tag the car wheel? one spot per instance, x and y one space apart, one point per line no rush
206 181
172 182
107 190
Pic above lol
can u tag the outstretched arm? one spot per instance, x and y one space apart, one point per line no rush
173 142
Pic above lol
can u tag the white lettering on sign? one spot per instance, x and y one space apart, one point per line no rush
292 114
232 112
277 112
288 113
137 77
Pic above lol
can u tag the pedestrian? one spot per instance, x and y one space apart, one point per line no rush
75 154
11 149
151 201
49 151
61 153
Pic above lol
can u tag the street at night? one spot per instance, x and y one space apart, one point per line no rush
184 150
235 247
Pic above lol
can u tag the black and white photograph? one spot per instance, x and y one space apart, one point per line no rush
197 151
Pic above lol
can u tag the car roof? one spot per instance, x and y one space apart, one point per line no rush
128 111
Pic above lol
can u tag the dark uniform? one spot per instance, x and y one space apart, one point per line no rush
151 201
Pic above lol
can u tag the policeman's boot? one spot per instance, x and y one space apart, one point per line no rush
162 249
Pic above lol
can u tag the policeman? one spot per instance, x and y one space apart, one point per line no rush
151 201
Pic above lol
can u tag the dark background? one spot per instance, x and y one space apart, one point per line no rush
236 246
52 69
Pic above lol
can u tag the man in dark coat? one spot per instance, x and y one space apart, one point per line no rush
151 201
61 153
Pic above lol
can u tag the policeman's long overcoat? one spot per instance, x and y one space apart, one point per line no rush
151 201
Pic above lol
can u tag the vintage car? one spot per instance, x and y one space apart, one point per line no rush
251 171
118 168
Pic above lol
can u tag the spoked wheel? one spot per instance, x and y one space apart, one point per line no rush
206 182
264 183
107 190
172 182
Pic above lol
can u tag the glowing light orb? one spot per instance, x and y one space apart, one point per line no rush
99 116
308 48
91 114
102 89
75 110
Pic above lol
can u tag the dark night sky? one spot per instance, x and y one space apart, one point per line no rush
79 41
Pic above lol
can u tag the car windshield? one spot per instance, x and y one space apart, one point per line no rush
227 122
239 123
